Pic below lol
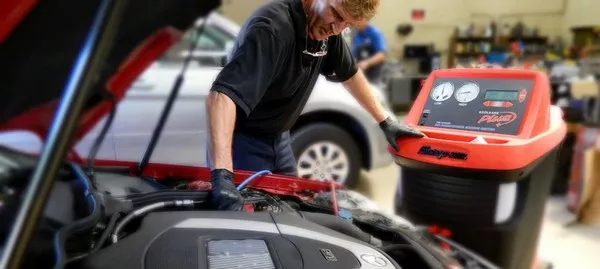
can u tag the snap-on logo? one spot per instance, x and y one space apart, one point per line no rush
499 119
440 154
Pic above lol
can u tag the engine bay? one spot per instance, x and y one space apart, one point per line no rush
213 239
106 218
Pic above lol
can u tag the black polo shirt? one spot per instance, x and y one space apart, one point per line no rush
268 76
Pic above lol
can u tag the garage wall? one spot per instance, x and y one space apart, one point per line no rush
552 17
239 10
581 13
546 15
442 16
440 19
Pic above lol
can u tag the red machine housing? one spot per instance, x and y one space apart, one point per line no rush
542 128
483 171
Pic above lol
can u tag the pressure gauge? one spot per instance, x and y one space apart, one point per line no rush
442 92
467 93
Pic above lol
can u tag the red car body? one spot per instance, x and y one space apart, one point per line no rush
38 120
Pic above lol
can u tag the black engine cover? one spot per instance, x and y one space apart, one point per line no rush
220 240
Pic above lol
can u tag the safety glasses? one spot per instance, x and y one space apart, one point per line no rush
322 52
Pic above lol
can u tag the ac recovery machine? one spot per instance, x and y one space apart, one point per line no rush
484 169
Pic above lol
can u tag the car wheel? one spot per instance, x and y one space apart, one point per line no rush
324 151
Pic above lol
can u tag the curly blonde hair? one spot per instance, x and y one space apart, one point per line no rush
362 10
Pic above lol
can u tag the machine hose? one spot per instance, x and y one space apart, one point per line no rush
141 200
342 226
251 178
143 211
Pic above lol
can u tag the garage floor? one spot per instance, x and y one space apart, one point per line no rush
575 247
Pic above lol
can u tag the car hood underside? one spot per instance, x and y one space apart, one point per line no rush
40 41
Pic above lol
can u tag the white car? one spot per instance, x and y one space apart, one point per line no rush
332 129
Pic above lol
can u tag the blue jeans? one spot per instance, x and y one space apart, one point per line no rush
254 154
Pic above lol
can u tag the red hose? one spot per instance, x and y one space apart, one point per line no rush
334 198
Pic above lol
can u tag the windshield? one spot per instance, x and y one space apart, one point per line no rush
213 38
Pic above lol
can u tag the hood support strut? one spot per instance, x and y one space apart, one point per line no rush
87 66
170 101
160 125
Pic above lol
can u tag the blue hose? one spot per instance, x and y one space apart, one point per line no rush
58 244
252 177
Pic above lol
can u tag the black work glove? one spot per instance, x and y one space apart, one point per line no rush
224 195
394 130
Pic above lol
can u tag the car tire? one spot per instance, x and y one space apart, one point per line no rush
327 136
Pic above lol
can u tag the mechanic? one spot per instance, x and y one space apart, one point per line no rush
369 49
277 58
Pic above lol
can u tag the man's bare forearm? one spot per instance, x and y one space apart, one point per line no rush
221 111
360 88
376 59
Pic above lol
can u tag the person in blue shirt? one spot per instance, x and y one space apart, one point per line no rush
370 51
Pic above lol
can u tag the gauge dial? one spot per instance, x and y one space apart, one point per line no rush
442 92
467 93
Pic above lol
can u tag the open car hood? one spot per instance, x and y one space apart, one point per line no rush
40 41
